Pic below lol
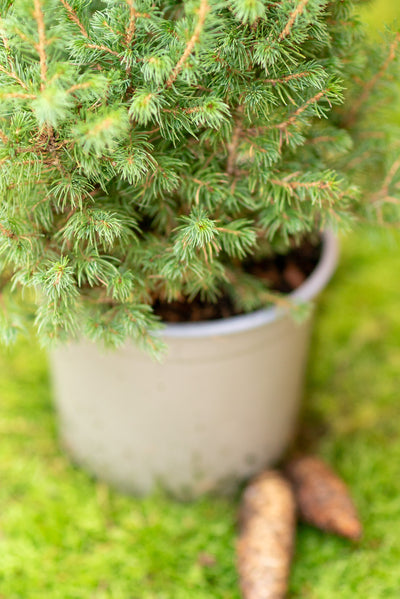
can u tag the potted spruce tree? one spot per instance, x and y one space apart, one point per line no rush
181 164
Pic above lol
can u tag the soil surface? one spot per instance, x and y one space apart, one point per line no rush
282 273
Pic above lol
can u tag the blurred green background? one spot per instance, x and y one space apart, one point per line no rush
65 536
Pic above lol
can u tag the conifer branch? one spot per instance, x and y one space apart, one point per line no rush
233 145
3 137
41 45
24 37
14 76
55 158
77 86
292 19
102 48
383 193
7 49
74 17
266 296
133 15
5 42
132 23
283 126
202 14
370 85
279 300
254 146
6 232
287 78
293 185
228 67
229 231
178 110
359 160
18 95
293 118
390 176
321 139
232 150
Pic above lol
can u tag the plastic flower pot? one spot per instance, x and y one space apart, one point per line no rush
221 406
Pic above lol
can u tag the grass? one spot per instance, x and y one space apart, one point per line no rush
66 536
352 400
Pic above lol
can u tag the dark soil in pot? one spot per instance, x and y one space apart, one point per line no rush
281 273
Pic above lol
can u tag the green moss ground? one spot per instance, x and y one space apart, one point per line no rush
64 536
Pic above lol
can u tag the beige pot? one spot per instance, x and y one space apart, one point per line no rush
220 407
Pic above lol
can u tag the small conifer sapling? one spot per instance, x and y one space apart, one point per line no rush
149 147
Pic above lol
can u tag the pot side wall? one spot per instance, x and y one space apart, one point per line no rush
216 411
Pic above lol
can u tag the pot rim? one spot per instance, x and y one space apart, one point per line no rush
244 322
